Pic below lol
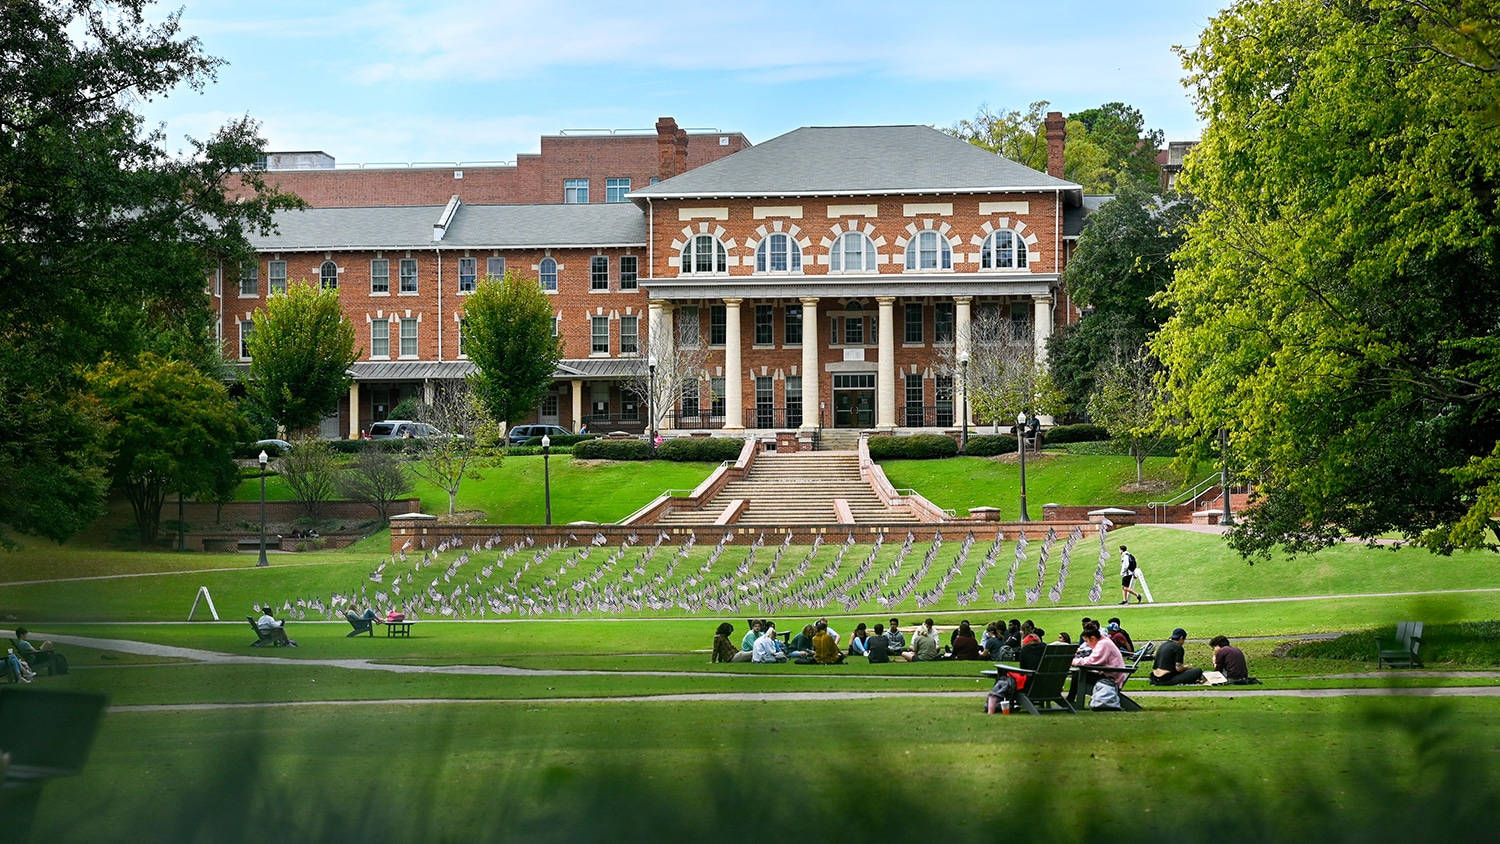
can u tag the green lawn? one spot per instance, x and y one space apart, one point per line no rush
513 492
1057 477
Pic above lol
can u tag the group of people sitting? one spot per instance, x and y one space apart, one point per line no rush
24 658
821 644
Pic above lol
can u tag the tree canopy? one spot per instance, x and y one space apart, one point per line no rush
1106 149
106 238
301 349
1336 304
508 335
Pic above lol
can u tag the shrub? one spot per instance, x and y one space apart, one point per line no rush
700 449
535 450
912 447
363 446
1084 432
611 450
561 440
990 445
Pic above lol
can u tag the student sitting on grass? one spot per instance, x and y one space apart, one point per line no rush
748 643
767 649
724 649
268 625
879 647
857 646
1169 669
801 645
825 647
895 637
965 646
924 644
1119 636
1230 661
989 646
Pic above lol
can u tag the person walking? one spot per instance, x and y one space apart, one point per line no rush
1129 570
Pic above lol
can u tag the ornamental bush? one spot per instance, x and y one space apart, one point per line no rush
913 447
560 440
612 450
990 445
1081 433
700 449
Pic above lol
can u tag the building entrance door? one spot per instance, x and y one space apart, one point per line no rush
853 401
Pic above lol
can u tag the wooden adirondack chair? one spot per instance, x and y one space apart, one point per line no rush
1045 683
262 637
1402 651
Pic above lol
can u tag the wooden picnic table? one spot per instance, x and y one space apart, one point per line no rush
398 628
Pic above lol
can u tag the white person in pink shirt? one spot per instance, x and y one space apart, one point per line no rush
1103 653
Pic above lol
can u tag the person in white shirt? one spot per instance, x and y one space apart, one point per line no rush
268 624
1128 573
831 631
766 648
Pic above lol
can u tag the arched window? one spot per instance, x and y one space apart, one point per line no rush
704 254
1003 250
778 253
852 253
328 275
548 270
928 251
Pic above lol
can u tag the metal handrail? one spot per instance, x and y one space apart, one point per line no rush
1190 494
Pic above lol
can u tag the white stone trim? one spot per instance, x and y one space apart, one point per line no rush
1012 206
868 210
761 212
708 213
917 209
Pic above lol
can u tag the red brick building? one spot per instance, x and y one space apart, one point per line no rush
825 270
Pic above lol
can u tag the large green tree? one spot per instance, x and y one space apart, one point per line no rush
173 430
301 349
105 238
508 335
1337 300
1123 259
1123 152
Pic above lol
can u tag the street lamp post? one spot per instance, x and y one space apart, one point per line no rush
651 405
1021 442
963 366
263 561
547 475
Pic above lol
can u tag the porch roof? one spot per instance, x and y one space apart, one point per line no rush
845 287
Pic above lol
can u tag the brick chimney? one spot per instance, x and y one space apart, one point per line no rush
667 157
1057 135
681 149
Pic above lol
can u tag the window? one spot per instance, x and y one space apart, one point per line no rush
717 325
689 328
765 325
276 276
549 406
408 338
794 401
549 274
778 254
599 334
328 275
1020 320
463 328
630 335
629 272
704 254
944 400
630 409
765 402
928 251
247 327
854 331
380 276
913 322
690 397
575 191
556 325
716 397
380 339
914 399
793 330
494 267
1003 250
852 253
408 275
598 273
468 273
942 322
250 279
615 189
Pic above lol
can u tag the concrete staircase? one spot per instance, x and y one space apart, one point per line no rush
838 439
800 488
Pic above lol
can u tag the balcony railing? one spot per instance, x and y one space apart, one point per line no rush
927 416
603 423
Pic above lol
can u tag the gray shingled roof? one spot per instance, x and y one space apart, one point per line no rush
818 160
473 226
1074 217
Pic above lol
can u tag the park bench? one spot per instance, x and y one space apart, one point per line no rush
1044 684
1401 652
262 637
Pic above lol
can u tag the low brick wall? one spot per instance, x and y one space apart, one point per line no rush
1179 514
200 513
427 534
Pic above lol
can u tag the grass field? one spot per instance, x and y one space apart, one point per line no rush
1056 477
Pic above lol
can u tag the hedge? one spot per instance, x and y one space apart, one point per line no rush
1084 432
990 445
700 449
533 450
561 440
611 450
913 447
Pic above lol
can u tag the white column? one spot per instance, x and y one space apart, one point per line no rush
734 402
810 392
429 391
962 339
666 363
1042 326
353 410
885 369
577 389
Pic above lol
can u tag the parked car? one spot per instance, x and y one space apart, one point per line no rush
396 429
519 434
273 448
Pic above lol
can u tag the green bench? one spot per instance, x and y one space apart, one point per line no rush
1402 651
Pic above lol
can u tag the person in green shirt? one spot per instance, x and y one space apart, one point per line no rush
801 646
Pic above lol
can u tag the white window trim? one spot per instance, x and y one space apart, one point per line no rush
1019 239
387 355
556 275
914 242
416 276
792 246
416 339
606 287
461 291
608 337
869 250
387 291
685 267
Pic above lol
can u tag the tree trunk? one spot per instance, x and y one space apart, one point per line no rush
1140 464
452 496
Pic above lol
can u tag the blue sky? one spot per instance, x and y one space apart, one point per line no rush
455 81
